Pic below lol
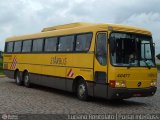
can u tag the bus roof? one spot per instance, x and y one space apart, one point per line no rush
76 28
66 26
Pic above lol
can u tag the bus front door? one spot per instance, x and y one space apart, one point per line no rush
100 66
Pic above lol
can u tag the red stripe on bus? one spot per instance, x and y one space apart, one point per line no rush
69 72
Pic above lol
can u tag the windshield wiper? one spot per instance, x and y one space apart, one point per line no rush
145 60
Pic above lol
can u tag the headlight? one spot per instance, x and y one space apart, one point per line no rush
120 83
153 83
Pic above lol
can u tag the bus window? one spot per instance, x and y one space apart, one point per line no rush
9 47
17 46
50 44
83 42
27 46
131 50
37 45
66 43
101 50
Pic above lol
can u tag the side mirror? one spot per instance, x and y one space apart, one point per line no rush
158 56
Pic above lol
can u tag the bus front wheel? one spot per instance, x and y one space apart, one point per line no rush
82 92
18 79
26 80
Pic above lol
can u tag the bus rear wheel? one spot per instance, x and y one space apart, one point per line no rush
18 78
82 92
26 80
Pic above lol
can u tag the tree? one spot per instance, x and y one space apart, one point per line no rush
158 56
1 54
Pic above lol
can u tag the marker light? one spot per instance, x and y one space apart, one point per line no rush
119 83
112 83
110 28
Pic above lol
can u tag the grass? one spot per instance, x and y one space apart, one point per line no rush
1 67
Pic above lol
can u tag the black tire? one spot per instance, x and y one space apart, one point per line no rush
82 91
26 80
18 79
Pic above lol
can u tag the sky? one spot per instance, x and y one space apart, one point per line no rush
30 16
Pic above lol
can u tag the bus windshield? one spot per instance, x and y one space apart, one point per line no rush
129 49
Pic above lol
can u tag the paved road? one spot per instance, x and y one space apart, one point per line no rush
20 100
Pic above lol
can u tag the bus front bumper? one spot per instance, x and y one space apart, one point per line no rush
124 93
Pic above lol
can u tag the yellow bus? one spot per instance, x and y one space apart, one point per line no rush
100 60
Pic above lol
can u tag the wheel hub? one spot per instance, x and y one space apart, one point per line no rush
26 79
81 90
17 79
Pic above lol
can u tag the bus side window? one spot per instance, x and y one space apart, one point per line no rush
101 50
26 47
9 47
83 42
51 44
37 45
66 43
17 46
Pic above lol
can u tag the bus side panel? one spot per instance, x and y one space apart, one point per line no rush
79 65
52 70
9 73
7 65
48 81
